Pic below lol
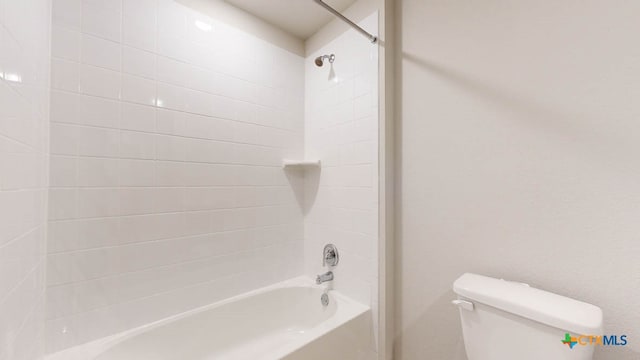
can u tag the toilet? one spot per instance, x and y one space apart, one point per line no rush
505 320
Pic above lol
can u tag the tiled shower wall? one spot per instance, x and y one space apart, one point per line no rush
168 131
24 128
341 129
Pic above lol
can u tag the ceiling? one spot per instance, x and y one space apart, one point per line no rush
301 18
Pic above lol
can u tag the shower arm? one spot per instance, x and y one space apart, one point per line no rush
372 38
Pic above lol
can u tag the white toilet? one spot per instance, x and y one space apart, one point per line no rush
504 320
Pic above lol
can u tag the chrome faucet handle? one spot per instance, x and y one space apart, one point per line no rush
330 255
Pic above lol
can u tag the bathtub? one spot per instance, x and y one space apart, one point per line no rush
282 321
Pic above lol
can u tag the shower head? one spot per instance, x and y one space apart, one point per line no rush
320 59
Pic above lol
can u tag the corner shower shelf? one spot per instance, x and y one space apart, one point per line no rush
287 163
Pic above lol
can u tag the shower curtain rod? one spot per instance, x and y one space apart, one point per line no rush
371 38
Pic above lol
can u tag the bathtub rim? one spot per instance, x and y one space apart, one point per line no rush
347 310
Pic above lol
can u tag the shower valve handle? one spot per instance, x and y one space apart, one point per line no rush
330 255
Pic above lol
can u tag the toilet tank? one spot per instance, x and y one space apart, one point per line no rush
504 320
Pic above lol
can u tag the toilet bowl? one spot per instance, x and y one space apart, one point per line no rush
504 320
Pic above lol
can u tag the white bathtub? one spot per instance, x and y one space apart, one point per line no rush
282 321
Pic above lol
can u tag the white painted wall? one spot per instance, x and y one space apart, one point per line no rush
166 186
341 129
24 141
518 158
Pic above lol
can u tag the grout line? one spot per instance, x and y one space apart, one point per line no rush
70 124
118 100
181 86
181 288
39 301
174 238
20 283
21 236
234 164
177 263
178 213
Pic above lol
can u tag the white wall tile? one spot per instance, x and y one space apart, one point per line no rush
169 200
146 9
71 108
173 71
62 204
173 18
100 52
138 117
102 19
170 173
136 201
68 13
65 43
64 107
115 6
159 150
79 234
138 90
172 45
98 142
139 32
138 62
100 82
97 111
170 97
64 139
64 171
95 203
137 145
65 75
97 172
136 172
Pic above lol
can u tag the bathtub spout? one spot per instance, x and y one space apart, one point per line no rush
328 276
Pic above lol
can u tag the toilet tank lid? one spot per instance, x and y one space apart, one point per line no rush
542 306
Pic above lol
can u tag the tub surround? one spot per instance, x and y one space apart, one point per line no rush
169 127
168 131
